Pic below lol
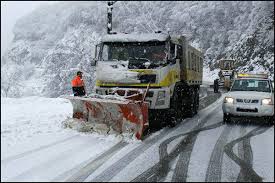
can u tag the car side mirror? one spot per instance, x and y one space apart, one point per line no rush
93 62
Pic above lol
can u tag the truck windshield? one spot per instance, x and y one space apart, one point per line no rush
154 52
251 85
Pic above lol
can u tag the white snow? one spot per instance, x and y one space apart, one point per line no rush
263 155
134 37
34 146
209 76
116 72
25 118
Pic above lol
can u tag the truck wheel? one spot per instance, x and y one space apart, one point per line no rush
155 120
271 120
190 109
197 101
226 118
175 110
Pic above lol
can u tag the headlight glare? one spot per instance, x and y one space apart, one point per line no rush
229 100
267 101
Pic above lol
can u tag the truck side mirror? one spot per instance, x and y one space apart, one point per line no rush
172 60
94 60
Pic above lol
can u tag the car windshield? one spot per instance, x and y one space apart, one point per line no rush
251 85
149 51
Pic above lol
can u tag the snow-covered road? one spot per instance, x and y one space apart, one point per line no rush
34 147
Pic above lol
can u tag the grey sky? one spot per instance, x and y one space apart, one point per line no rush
10 12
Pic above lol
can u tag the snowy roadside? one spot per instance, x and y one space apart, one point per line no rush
29 120
32 139
32 122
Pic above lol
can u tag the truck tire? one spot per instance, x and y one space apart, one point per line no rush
176 106
190 107
197 101
271 120
226 118
155 119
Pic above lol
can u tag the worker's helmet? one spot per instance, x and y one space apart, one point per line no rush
78 73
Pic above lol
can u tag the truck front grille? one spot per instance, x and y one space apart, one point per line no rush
146 78
246 110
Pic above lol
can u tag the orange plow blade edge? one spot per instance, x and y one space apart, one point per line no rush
121 115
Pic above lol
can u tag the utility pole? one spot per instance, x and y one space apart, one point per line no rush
109 15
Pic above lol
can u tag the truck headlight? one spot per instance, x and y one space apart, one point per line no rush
100 92
161 95
160 102
267 101
229 100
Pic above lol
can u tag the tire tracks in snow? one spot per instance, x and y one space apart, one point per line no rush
214 170
15 157
245 153
247 173
115 168
208 99
119 165
161 169
34 171
87 168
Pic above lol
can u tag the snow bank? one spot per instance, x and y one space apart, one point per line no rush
31 122
25 118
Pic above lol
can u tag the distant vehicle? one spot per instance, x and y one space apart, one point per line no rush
250 95
226 74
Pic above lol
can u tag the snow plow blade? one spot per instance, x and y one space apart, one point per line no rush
122 116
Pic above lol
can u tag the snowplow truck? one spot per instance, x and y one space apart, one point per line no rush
158 76
226 73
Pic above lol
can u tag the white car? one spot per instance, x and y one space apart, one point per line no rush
250 97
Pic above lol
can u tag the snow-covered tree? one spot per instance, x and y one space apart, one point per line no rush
57 40
10 80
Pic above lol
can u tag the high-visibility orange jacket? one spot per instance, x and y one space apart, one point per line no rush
77 82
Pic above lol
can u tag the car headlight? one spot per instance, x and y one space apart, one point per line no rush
161 95
267 101
229 100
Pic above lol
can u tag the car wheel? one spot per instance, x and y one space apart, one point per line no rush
226 118
271 120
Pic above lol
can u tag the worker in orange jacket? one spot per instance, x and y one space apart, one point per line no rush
78 85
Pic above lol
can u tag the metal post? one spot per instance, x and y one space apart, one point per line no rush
109 16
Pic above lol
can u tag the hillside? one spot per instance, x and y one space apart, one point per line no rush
54 41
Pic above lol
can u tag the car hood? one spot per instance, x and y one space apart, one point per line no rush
249 94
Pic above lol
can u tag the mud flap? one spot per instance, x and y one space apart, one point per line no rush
122 116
